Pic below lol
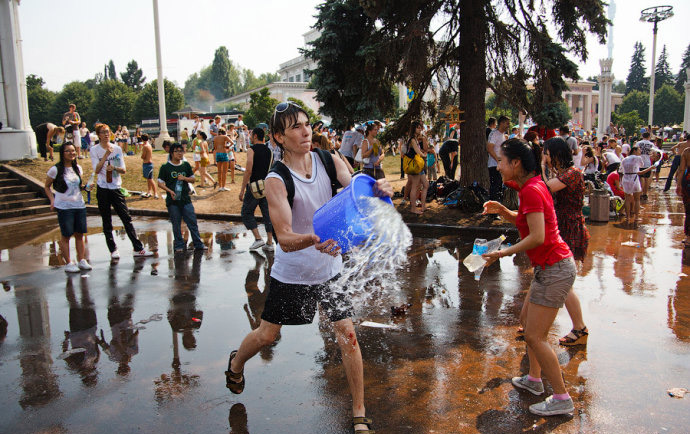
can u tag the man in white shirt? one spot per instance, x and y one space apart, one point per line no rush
109 165
493 147
613 161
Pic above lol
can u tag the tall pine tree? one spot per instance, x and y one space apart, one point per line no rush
682 76
133 76
636 79
112 75
662 71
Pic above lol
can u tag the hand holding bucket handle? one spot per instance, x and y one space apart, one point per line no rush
329 247
382 188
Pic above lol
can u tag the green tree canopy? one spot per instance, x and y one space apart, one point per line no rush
113 104
682 75
110 68
133 76
668 106
497 106
313 117
224 78
146 103
634 101
77 93
662 71
366 46
553 115
631 121
261 107
636 75
40 100
618 86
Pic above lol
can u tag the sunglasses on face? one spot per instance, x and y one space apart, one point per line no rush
284 106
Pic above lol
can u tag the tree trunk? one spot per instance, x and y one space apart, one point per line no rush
472 49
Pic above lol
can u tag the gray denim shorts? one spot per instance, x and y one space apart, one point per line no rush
552 283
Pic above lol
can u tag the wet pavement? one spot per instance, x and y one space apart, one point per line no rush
166 325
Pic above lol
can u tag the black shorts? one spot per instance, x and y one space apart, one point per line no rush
647 174
293 304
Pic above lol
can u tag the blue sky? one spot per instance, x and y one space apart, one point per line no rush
72 40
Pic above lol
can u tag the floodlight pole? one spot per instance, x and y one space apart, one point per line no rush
654 15
162 115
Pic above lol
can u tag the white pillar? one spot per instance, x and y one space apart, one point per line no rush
605 85
161 84
588 112
17 139
581 106
521 123
686 116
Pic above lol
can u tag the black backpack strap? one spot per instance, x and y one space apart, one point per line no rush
327 160
282 170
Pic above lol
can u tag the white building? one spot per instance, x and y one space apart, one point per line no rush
281 91
296 70
583 103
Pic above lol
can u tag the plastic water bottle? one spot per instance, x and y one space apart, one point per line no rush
88 187
474 261
178 189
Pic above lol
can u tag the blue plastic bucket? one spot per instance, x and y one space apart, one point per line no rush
342 218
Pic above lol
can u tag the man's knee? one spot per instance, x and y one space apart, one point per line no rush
267 335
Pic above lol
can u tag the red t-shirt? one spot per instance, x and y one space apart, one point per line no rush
611 181
535 197
543 132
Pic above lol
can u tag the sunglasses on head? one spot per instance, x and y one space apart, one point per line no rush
284 106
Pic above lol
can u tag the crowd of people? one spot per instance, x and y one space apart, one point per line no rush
293 170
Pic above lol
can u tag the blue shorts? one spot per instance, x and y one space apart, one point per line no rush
221 157
84 144
72 221
147 169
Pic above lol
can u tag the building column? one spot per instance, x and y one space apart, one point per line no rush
17 139
605 85
581 106
587 125
569 101
686 116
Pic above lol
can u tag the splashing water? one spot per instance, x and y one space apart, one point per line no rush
374 267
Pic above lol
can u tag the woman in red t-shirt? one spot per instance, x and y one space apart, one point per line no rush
554 269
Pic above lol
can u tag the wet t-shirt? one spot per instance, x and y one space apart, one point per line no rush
534 196
71 198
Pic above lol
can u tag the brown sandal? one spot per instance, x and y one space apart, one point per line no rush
234 381
363 421
580 338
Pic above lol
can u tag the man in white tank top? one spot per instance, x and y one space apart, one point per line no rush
304 265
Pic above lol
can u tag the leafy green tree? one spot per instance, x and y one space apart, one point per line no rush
662 71
366 46
261 106
682 75
668 106
77 93
618 86
91 83
497 106
220 74
133 76
313 117
631 121
111 75
146 103
350 81
40 101
553 115
113 103
636 75
634 101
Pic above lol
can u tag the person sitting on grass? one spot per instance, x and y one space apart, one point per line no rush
174 177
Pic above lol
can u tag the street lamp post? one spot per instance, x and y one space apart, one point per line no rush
162 115
655 14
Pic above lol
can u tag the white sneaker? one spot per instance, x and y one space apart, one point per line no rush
115 255
143 253
257 244
85 265
71 268
268 247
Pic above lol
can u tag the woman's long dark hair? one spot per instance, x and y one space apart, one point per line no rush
528 154
59 184
559 151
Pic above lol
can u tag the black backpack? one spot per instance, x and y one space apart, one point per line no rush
326 158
